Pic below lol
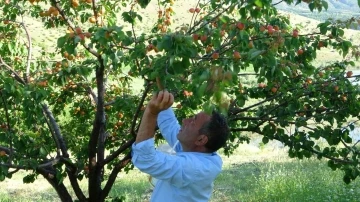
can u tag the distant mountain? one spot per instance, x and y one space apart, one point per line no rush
337 9
334 5
350 5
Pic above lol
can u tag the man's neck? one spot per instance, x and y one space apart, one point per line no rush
195 149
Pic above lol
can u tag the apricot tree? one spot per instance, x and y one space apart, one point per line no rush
69 110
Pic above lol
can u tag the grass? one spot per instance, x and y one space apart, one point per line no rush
252 174
306 180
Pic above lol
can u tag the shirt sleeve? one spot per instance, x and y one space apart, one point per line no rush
162 166
169 127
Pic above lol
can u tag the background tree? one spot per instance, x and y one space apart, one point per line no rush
73 112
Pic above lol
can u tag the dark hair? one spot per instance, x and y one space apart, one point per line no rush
217 131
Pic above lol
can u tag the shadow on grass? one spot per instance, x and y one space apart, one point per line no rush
294 181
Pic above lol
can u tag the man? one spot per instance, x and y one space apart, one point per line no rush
187 176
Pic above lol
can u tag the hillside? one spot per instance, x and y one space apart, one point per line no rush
337 9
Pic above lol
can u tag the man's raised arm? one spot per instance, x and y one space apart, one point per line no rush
159 102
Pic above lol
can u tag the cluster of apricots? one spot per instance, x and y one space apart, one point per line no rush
2 153
273 89
52 11
99 17
75 3
70 85
164 19
349 74
3 126
194 10
78 32
209 47
187 93
6 22
80 111
31 1
87 1
151 47
43 83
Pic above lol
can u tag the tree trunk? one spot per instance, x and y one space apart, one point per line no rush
60 188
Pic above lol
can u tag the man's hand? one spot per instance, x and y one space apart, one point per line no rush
159 102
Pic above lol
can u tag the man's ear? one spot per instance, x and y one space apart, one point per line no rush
201 140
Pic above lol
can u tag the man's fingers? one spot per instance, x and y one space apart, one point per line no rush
166 96
163 99
160 96
168 100
171 100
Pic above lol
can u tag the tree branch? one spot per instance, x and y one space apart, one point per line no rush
115 154
16 75
28 60
58 149
236 111
58 137
8 126
133 123
29 167
58 185
277 3
194 16
114 174
14 171
71 171
7 150
95 11
193 30
91 92
97 137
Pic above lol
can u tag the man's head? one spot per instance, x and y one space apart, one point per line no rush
203 132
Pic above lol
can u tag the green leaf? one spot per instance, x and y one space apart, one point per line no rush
341 32
265 140
77 39
128 18
331 164
325 5
352 126
176 66
43 151
258 3
254 53
359 3
29 178
324 27
347 178
61 41
201 90
311 6
166 44
139 17
242 12
143 3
